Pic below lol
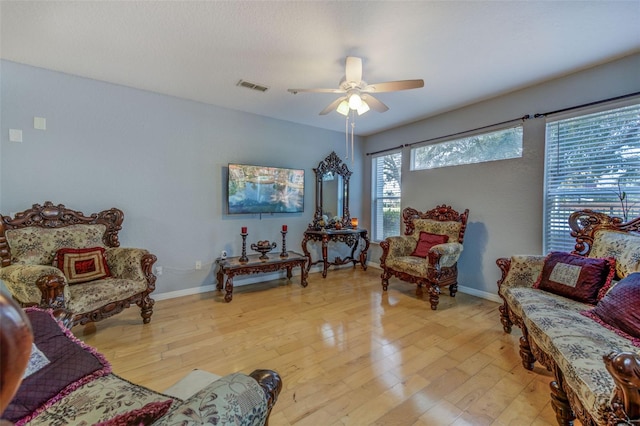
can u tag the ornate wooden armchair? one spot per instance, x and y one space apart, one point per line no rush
428 252
55 257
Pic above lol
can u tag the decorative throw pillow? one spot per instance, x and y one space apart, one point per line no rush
619 309
426 241
82 265
579 278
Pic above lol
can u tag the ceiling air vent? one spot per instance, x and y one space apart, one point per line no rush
253 86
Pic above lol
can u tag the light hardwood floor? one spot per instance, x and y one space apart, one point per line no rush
348 353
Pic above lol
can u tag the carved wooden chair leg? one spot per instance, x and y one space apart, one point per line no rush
434 296
528 359
559 401
453 289
504 318
385 279
146 309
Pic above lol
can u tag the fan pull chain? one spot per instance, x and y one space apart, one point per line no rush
353 126
346 137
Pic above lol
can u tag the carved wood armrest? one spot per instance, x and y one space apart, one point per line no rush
504 264
625 369
52 289
271 383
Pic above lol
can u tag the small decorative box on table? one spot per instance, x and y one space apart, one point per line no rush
232 266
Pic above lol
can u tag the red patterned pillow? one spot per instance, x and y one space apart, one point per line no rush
619 309
426 241
579 278
82 265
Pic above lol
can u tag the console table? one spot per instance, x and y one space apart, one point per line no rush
350 237
232 266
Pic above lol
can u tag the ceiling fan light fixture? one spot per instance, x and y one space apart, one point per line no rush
363 108
355 101
343 108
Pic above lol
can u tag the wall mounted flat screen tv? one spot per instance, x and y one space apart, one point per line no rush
260 189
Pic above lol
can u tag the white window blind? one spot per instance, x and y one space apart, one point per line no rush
592 161
386 195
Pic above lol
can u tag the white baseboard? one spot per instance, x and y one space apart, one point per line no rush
479 293
296 272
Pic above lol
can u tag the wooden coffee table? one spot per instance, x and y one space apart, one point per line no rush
232 266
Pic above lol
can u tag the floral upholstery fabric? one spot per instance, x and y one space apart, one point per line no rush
98 401
38 246
236 400
401 245
524 270
125 262
86 297
450 228
412 265
21 280
624 247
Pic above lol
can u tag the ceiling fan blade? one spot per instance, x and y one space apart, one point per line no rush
392 86
374 103
294 91
353 69
333 105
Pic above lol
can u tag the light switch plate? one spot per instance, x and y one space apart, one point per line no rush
15 135
40 123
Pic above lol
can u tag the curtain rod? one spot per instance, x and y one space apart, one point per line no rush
617 98
386 150
524 117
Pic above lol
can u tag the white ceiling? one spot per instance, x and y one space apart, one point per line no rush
465 51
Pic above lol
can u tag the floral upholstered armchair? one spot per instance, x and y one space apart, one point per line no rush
428 252
54 257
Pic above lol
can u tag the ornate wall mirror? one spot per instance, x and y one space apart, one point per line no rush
332 194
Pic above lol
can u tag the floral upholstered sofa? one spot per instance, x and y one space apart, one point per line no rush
67 382
55 257
580 317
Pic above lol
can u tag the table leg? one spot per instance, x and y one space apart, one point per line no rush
219 279
363 253
325 260
303 275
305 250
289 272
229 289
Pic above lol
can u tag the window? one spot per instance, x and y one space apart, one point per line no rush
386 193
592 162
497 145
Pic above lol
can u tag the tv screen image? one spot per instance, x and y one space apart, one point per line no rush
260 189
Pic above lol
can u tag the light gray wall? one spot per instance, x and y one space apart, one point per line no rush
505 198
162 160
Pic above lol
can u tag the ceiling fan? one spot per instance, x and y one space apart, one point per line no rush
358 94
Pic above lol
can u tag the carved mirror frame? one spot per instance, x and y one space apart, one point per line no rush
332 164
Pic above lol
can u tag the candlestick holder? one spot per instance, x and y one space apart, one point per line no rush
244 257
284 245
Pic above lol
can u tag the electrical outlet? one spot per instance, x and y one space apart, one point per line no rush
198 264
158 270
